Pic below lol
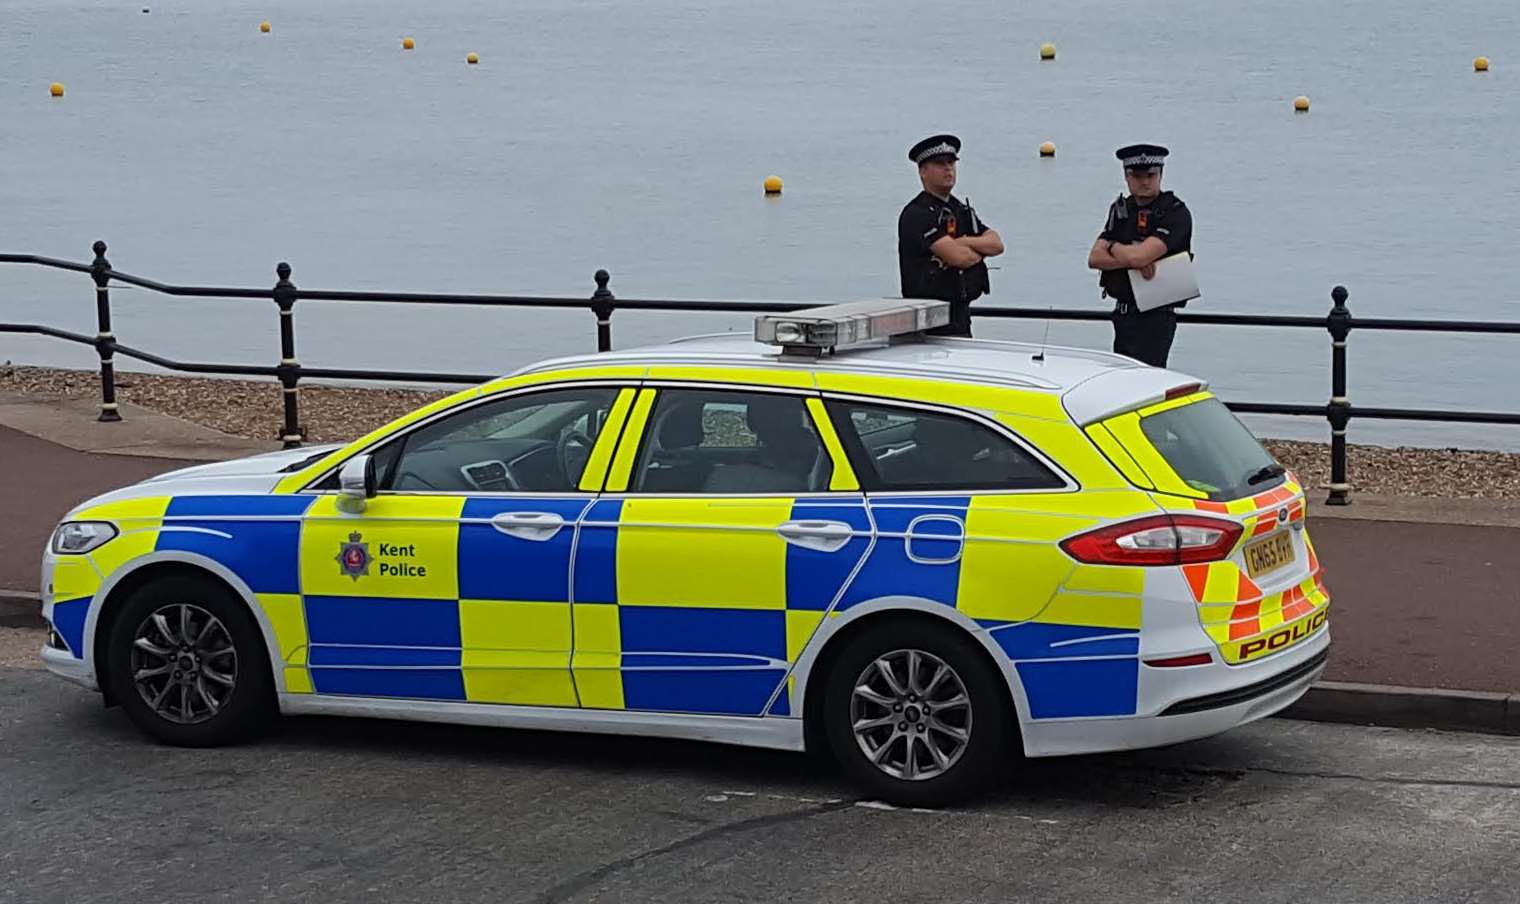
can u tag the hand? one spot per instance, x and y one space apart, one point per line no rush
1148 271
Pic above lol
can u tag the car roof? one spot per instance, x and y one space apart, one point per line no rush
1018 365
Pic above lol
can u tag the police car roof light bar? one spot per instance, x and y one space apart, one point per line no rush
813 330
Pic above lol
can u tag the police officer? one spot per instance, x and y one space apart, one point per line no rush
941 242
1142 228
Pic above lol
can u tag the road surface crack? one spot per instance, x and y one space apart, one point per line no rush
573 886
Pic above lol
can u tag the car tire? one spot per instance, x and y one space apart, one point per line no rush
187 662
956 748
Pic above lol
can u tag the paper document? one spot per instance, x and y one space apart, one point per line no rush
1174 281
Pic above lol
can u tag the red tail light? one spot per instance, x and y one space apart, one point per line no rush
1177 662
1158 540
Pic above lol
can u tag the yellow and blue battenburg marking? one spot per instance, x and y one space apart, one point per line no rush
690 605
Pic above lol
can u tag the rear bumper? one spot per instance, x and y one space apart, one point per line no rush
1250 694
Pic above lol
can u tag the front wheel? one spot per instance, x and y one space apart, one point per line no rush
916 714
187 662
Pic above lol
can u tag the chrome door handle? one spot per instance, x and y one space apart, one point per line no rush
528 525
824 536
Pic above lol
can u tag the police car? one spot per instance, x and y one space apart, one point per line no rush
925 555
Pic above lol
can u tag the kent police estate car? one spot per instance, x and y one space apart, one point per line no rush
923 554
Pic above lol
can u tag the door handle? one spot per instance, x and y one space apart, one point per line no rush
528 525
824 536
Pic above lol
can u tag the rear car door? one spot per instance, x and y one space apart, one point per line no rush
453 583
969 515
730 524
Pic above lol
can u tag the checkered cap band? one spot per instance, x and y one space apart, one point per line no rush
944 147
1145 160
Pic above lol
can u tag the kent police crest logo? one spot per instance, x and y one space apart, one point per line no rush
353 556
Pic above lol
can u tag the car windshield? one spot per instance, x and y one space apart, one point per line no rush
1211 450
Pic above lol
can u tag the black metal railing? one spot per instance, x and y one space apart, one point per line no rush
602 303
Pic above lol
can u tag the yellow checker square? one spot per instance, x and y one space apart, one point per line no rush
520 678
730 554
125 511
1019 517
288 619
137 538
1094 610
502 625
598 662
400 546
801 624
74 577
1009 581
1106 579
298 680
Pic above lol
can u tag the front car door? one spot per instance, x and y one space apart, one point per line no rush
730 525
453 583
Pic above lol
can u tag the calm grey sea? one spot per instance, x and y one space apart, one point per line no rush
634 136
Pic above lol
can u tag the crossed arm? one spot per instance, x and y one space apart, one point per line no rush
967 250
1107 255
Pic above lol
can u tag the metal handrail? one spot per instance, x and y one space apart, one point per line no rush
1338 322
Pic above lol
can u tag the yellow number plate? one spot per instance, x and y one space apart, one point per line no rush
1269 554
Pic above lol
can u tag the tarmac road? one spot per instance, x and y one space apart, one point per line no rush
332 810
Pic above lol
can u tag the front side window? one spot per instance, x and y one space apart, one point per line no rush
532 443
913 449
720 441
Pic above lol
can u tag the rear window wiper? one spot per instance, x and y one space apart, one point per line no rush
1267 472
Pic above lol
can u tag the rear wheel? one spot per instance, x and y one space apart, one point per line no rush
188 664
916 714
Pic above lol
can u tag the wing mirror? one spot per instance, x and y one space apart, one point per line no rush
356 483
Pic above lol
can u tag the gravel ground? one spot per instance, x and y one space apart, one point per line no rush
252 409
18 648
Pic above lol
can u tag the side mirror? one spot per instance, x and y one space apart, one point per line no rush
356 481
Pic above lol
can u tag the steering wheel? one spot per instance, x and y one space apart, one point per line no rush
566 443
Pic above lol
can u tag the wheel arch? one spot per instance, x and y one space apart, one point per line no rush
139 573
835 633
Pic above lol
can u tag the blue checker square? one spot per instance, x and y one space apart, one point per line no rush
497 566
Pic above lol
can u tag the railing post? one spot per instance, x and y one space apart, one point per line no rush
601 306
289 370
105 342
1339 409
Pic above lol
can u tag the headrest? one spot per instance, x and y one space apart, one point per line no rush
681 426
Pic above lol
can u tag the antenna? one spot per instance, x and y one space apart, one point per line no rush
1046 338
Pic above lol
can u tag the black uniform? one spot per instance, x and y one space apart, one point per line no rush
1144 335
923 222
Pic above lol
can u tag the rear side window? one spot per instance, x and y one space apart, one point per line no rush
1211 450
911 449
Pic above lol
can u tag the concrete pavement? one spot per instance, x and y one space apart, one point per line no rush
346 810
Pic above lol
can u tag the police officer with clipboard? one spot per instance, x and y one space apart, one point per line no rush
941 242
1143 228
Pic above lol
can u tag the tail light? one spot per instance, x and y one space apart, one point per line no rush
1157 540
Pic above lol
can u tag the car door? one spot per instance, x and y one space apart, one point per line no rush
969 515
453 583
730 525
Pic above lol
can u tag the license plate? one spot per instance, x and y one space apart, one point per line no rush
1269 554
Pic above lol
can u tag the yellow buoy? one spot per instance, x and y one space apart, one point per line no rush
408 44
264 27
56 89
773 185
472 59
1047 51
1480 64
1048 149
1301 104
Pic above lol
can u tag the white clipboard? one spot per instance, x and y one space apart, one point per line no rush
1174 282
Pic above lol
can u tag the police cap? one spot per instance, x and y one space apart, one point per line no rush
1142 156
935 146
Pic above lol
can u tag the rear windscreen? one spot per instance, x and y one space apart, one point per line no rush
1211 450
